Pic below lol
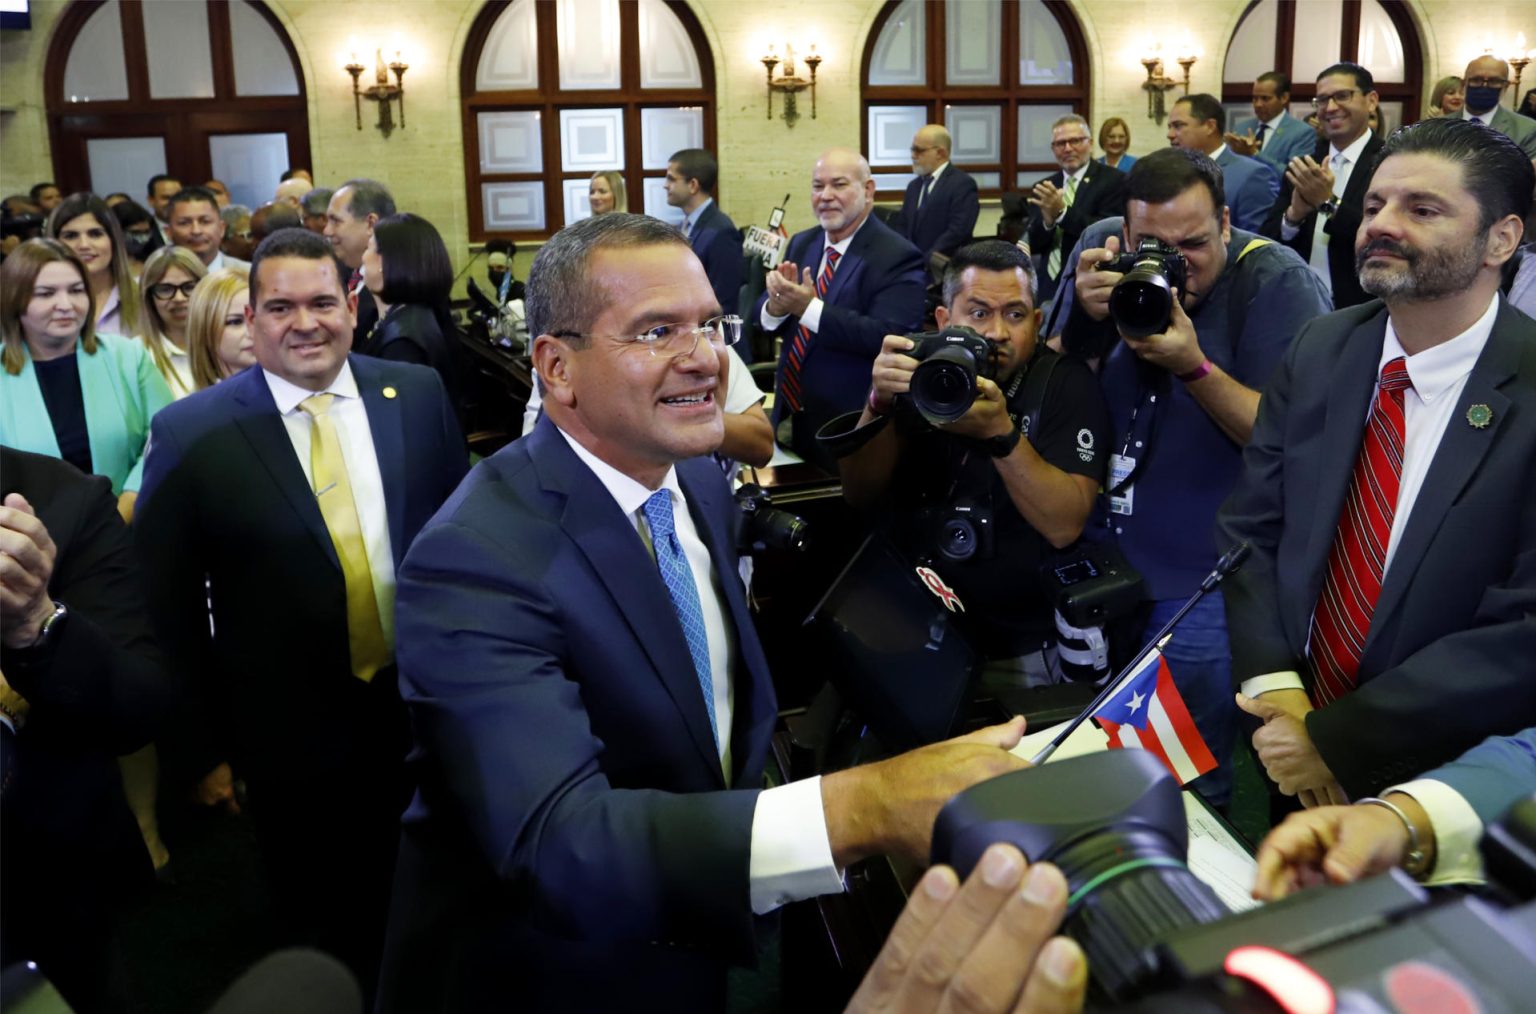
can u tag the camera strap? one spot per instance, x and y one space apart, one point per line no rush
1034 379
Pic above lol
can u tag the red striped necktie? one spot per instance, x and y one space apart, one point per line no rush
795 361
1356 562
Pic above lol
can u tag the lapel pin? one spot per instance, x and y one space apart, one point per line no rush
1479 416
389 392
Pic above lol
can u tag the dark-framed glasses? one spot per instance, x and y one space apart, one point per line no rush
1338 97
166 290
669 341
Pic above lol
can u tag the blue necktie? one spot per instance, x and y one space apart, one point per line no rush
678 578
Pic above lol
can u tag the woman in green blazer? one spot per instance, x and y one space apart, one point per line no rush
66 391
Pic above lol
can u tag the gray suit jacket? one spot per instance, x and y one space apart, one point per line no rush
1519 129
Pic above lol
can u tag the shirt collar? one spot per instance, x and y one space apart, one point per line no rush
217 264
1275 123
288 396
842 247
629 494
1486 117
1352 153
1213 156
692 218
939 172
1437 369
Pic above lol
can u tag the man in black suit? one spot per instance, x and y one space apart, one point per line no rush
1082 193
691 176
1383 623
286 496
1318 210
80 683
355 208
939 211
860 281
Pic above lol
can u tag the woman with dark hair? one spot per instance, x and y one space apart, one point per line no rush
140 237
406 268
85 224
1528 104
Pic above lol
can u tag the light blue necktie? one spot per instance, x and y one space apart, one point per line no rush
678 578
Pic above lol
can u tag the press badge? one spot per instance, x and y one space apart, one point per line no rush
1120 469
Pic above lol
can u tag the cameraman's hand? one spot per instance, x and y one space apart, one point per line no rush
987 416
787 296
892 373
1331 844
981 946
1176 350
1094 286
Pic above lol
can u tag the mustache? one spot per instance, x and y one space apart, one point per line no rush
1387 246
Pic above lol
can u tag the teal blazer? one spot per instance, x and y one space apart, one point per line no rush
123 390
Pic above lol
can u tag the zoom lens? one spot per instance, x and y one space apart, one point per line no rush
944 385
1142 302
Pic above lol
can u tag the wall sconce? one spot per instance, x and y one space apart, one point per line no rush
789 82
381 91
1158 82
1517 62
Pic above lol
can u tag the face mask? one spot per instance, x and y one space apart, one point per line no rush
497 277
1481 100
138 244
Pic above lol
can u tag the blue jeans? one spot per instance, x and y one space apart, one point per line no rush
1200 658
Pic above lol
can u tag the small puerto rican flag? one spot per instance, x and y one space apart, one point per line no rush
1148 713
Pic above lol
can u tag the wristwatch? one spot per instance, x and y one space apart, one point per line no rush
1328 207
48 632
1002 446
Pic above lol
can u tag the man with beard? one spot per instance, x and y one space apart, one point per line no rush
1382 625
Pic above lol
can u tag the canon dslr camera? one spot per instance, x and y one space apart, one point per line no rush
1141 303
944 383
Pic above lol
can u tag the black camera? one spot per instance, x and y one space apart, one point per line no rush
963 531
764 526
1141 303
944 383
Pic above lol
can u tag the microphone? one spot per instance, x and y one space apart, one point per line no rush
1228 565
295 981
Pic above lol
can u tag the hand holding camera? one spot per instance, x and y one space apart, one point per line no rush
1177 348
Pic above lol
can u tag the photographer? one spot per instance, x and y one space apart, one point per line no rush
1036 493
1182 398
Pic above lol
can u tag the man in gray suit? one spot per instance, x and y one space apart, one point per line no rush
1251 185
1273 135
1486 79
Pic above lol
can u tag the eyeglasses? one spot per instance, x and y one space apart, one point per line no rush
1337 98
673 341
916 150
1069 142
165 290
1487 82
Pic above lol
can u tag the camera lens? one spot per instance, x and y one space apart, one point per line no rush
1142 302
944 385
958 539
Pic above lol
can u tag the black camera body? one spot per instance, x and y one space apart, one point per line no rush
944 383
963 531
1141 303
764 526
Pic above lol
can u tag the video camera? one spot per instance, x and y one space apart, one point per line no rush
944 383
1159 940
1141 303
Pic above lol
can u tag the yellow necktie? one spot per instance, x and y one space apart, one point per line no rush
333 492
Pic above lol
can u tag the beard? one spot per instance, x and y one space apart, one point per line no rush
1423 275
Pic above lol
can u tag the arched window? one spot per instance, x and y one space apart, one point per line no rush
1377 34
996 73
135 89
554 92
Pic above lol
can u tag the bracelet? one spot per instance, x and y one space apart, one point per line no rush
1197 373
1414 861
874 407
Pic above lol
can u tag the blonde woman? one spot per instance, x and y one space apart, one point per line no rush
1447 98
217 337
606 192
165 292
85 224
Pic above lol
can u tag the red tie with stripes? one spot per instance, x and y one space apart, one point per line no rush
1355 565
795 361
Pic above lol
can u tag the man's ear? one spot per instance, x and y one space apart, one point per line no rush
1504 239
552 361
941 316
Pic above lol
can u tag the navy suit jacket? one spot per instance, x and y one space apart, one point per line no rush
1493 775
1292 138
717 243
225 501
574 844
948 216
1447 660
1251 186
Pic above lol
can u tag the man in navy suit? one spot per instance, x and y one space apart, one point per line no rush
1272 135
691 176
841 288
294 689
939 211
591 706
1195 123
1382 624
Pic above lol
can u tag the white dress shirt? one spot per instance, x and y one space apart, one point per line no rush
350 417
1274 128
109 315
182 383
1343 164
935 177
1457 831
811 318
791 857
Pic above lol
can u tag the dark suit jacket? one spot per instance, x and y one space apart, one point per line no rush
876 290
413 333
948 216
1101 194
1448 657
1341 227
717 243
573 844
72 850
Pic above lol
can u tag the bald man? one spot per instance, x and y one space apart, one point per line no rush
939 212
292 191
1487 78
842 287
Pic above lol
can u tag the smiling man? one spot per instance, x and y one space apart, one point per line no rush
841 288
591 704
1382 625
193 222
285 497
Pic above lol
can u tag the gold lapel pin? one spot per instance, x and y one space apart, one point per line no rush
1479 416
390 392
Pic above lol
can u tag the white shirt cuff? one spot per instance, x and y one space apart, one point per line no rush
8 724
791 856
1457 831
771 322
1288 231
811 318
1257 685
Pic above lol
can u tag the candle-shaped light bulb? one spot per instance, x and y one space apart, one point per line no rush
378 67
